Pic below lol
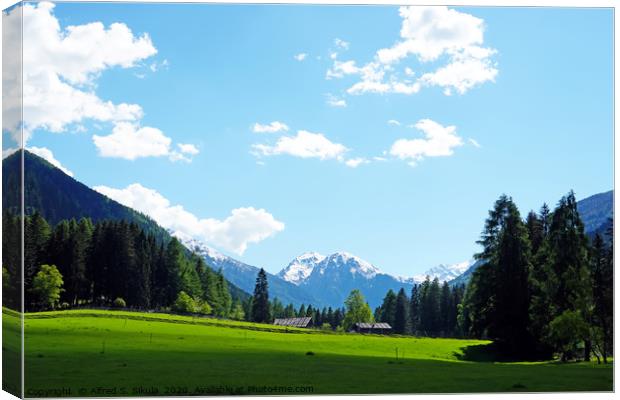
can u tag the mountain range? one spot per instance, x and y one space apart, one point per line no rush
310 278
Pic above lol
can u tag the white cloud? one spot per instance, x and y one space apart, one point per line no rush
305 145
451 38
61 69
429 32
156 66
273 127
474 142
8 152
48 156
62 65
341 44
356 162
461 74
244 226
300 56
439 141
335 101
188 149
393 122
130 141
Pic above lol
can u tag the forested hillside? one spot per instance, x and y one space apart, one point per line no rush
57 197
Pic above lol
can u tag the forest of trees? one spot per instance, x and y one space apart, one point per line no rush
431 310
108 261
544 286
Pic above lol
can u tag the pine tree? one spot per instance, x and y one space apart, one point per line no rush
566 290
388 308
445 308
174 262
602 291
36 234
260 303
401 316
535 231
414 309
498 297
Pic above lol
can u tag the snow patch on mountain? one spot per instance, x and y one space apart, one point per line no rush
347 261
443 272
301 267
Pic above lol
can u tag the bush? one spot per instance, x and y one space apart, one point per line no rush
205 309
237 313
326 327
566 331
119 303
185 304
64 305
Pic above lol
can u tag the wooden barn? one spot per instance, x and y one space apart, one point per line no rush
381 328
304 322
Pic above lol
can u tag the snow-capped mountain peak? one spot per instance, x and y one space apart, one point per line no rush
301 267
443 272
354 264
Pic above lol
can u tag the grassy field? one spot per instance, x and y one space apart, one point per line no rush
99 353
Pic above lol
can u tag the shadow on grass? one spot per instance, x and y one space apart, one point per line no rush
479 353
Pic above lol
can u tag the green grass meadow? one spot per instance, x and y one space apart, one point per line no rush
106 353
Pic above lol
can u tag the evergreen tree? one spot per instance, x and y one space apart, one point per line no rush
388 308
566 285
36 234
289 311
401 316
535 231
260 303
224 299
445 309
498 294
277 308
174 264
602 291
414 309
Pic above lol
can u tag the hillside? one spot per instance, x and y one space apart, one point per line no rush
596 212
57 196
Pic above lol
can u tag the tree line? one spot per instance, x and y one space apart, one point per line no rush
544 287
431 310
105 264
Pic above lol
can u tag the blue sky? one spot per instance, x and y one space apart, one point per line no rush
540 111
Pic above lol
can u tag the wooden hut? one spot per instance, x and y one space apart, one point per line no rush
304 322
381 328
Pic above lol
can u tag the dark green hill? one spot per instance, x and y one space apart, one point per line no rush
57 196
